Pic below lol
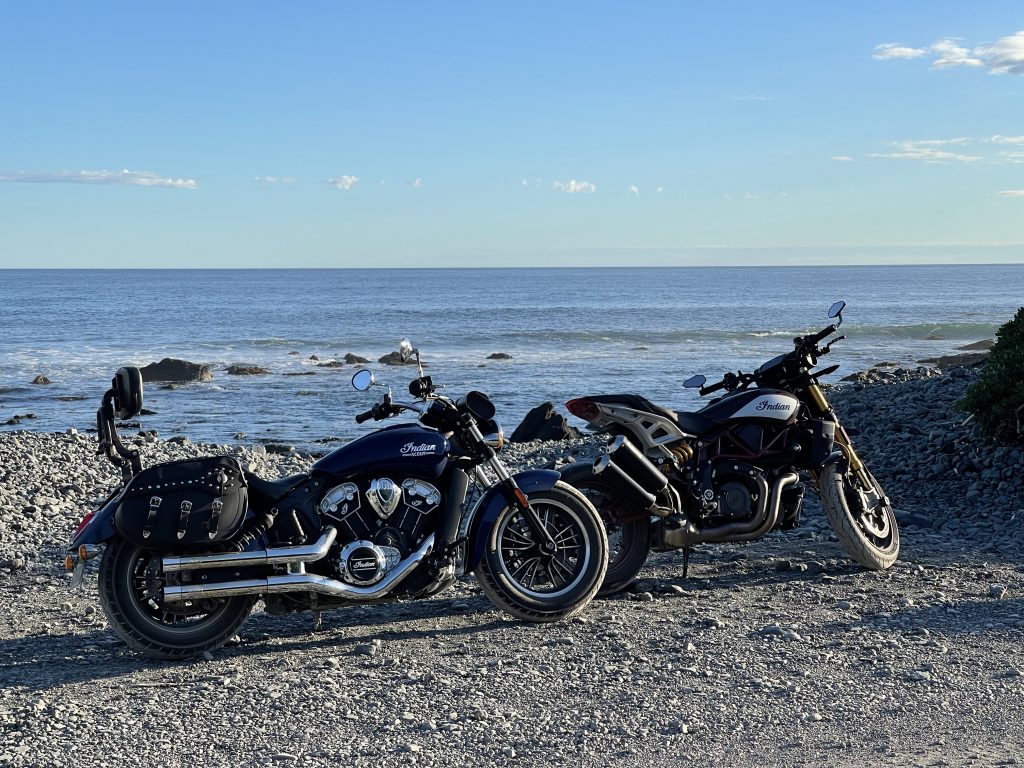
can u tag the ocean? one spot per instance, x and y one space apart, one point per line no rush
569 332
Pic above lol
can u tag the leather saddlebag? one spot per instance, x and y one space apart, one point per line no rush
183 504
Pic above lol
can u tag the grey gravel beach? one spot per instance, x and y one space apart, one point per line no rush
780 652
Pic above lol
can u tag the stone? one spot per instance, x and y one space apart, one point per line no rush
176 371
499 356
351 359
246 370
998 591
395 358
544 423
40 379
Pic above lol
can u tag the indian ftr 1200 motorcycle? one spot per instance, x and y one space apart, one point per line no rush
189 546
729 472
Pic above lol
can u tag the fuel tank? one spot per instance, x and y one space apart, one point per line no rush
776 406
406 448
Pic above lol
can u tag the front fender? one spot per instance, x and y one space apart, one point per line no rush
493 503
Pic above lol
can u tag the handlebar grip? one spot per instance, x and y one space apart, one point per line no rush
364 416
712 388
819 336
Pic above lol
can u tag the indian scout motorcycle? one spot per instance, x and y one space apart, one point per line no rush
188 547
730 471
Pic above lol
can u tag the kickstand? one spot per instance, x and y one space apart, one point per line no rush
318 621
686 562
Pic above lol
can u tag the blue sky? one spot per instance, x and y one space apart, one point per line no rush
518 134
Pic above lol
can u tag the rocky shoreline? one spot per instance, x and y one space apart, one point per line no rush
775 652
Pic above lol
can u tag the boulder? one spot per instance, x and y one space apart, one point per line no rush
178 371
544 423
331 364
499 356
246 370
395 358
40 379
355 359
977 346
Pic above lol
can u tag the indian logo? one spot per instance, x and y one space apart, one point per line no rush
418 449
384 496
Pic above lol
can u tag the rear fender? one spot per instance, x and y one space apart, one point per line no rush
100 526
493 503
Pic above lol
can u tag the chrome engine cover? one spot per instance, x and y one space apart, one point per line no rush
364 563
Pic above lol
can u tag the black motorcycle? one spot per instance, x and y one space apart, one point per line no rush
729 472
188 547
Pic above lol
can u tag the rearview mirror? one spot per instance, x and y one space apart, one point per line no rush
695 381
836 309
405 349
363 380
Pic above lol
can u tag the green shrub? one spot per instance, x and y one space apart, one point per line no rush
998 395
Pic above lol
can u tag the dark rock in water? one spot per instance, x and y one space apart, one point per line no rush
179 440
395 358
279 448
12 422
886 364
355 359
978 346
331 364
307 393
239 435
247 370
147 412
129 424
951 361
299 373
544 423
40 379
499 356
70 398
314 358
293 352
178 371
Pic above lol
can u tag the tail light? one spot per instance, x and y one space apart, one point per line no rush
584 408
85 521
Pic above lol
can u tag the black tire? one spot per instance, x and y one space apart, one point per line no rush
870 536
128 581
629 543
538 590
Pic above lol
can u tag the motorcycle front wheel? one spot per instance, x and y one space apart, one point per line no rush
130 582
862 518
537 587
628 543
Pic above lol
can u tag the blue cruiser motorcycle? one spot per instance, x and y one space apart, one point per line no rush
188 547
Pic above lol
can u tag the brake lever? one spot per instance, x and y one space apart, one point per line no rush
828 347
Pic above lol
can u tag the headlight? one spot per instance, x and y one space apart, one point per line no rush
493 435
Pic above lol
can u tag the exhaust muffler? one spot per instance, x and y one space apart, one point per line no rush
633 475
306 553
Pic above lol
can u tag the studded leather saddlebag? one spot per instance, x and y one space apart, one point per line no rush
183 504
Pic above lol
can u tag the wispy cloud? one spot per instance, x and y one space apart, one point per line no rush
417 183
634 189
1012 193
997 139
131 178
274 179
742 196
1004 56
344 183
842 158
572 186
925 150
897 51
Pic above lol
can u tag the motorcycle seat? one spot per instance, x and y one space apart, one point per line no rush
266 492
694 423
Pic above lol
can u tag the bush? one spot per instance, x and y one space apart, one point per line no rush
996 399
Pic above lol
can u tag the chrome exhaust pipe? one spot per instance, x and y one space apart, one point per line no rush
305 553
302 582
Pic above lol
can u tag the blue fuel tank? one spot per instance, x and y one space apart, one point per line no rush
406 448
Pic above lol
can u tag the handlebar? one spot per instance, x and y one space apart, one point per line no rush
365 416
820 335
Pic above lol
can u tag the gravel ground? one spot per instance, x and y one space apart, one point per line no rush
778 652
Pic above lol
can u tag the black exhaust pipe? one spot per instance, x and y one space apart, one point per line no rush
629 458
639 486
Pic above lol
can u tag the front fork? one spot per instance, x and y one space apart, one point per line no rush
842 439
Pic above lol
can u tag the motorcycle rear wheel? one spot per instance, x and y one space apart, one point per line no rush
869 536
538 589
629 543
129 585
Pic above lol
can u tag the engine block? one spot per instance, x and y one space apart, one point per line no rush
382 510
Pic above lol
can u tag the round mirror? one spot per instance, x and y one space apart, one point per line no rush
363 380
836 308
695 381
405 349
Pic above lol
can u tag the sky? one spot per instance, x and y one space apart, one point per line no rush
401 134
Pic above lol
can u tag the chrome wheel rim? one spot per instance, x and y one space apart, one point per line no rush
544 577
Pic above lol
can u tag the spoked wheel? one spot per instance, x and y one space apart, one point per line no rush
628 543
130 584
862 518
532 584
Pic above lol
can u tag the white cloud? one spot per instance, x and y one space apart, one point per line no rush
572 186
997 139
950 54
275 179
417 183
634 189
1012 157
659 190
743 196
1012 193
131 178
924 150
842 158
524 183
897 51
1005 56
343 182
